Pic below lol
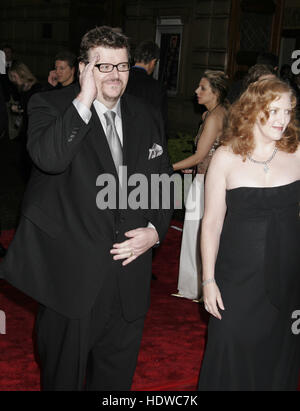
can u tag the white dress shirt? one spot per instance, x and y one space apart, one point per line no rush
100 108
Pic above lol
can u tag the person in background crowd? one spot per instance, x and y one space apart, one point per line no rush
27 85
142 84
287 76
256 72
238 86
65 72
286 73
268 59
297 84
211 92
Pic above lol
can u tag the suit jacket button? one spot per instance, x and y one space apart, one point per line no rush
117 232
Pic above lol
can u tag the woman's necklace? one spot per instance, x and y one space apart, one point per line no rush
210 111
265 163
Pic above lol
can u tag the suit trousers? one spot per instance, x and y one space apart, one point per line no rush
97 352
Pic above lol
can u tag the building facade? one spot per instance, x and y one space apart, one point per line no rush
194 35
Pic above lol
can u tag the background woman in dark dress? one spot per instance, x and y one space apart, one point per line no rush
251 264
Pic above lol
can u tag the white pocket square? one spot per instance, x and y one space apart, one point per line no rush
155 151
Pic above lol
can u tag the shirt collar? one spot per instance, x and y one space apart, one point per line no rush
102 109
139 67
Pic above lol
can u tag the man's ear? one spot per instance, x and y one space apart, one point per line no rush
151 66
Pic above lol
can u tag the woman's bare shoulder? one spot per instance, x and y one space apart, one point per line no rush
224 152
223 157
215 119
219 112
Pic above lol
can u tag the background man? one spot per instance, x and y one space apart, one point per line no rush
64 73
90 268
142 84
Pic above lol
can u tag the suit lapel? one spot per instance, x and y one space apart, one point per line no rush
102 151
131 136
131 139
101 144
99 140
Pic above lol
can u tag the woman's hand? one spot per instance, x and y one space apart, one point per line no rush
212 299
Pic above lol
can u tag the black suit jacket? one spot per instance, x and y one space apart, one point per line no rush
140 84
60 253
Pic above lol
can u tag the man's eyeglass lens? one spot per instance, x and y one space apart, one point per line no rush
107 68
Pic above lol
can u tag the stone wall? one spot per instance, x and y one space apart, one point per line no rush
36 29
39 29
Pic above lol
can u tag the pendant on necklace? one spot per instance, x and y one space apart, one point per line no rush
266 168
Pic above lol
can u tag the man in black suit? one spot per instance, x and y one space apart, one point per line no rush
90 266
142 84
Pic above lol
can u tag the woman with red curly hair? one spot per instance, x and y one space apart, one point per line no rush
250 246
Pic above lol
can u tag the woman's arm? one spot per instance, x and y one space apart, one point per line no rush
212 129
212 223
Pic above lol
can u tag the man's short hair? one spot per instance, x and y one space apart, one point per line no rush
102 36
257 71
146 51
67 56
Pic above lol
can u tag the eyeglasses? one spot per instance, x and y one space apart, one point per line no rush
107 67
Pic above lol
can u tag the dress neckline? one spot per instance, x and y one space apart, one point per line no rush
262 188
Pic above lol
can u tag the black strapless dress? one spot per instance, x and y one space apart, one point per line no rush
256 345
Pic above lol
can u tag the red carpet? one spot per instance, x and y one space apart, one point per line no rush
172 345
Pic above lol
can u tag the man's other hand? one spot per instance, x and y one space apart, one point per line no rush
140 240
52 78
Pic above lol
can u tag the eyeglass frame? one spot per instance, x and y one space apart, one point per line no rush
113 66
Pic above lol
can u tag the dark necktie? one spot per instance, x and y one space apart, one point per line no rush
113 139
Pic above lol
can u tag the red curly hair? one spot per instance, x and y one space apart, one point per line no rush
243 113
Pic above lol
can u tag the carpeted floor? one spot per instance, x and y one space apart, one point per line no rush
172 344
175 329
